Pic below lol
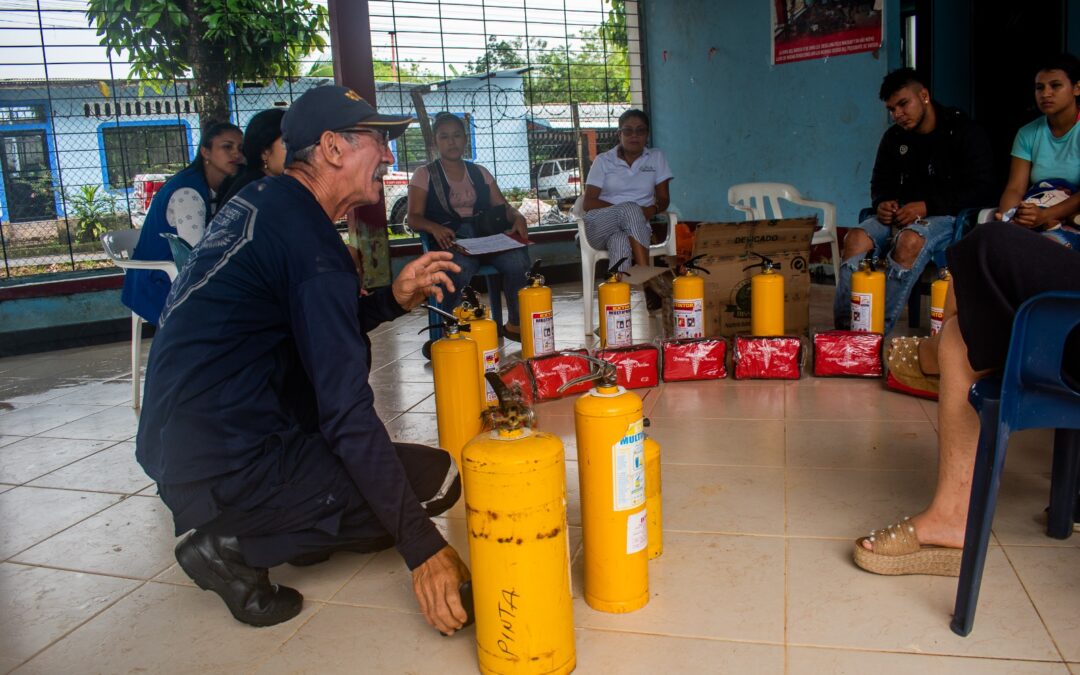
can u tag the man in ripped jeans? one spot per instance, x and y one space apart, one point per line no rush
933 162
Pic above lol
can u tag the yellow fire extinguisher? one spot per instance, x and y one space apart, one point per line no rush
610 430
613 296
868 297
457 385
485 333
766 298
688 300
536 316
653 498
938 290
515 504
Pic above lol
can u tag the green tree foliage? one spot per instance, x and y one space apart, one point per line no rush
409 73
597 70
213 40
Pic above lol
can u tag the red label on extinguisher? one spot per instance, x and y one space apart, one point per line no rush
617 323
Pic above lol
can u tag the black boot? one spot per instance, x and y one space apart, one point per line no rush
216 564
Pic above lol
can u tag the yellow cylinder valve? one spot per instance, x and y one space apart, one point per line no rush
613 296
536 316
938 290
868 297
515 502
457 385
485 333
766 299
688 300
610 430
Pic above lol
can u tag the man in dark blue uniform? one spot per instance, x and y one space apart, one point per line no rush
258 422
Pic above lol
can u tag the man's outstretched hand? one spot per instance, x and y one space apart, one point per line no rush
421 278
436 584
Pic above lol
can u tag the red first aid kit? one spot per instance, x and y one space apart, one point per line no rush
845 352
637 366
516 372
767 358
554 370
695 360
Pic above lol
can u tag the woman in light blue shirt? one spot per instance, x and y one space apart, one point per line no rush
1047 148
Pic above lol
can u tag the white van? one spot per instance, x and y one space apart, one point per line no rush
558 179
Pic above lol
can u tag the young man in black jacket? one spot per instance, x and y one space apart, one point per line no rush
930 164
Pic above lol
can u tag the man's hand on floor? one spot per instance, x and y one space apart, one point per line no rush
436 583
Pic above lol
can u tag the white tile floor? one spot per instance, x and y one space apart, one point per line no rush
763 495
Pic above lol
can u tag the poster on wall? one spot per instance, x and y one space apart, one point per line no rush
815 29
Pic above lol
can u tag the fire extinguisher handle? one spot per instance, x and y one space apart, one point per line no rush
605 372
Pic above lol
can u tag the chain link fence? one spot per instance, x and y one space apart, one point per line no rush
83 147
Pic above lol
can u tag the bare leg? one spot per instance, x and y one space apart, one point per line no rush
639 253
944 521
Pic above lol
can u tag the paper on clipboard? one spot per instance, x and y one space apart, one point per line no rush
493 244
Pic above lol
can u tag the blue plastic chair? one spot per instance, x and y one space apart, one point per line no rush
492 278
965 220
181 250
1031 393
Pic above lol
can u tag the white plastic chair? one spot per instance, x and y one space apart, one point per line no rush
750 198
120 246
590 255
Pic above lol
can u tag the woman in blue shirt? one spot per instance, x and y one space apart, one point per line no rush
183 206
1047 148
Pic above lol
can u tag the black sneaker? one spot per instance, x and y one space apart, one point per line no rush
216 564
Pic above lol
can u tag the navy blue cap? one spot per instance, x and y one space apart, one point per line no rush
332 108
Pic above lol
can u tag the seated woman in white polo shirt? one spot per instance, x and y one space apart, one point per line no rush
626 187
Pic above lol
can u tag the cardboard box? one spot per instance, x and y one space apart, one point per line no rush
727 248
636 366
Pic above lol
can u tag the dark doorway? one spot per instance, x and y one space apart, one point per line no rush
28 183
1009 40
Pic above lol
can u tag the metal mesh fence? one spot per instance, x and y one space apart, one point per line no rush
83 146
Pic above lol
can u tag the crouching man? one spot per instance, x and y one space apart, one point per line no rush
258 422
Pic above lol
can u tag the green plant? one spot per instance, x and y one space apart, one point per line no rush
94 208
517 194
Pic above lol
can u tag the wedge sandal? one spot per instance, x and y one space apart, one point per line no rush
897 551
905 374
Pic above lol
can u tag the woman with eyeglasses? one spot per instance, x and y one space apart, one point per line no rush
183 206
447 210
626 187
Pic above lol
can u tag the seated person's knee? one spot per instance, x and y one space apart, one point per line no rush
857 242
907 248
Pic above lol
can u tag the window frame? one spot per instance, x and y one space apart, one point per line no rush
171 122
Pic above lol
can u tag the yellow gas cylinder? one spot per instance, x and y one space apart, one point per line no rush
613 296
868 297
653 498
515 506
610 430
457 386
688 300
938 291
485 333
536 316
766 299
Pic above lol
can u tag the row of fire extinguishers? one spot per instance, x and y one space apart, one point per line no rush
514 481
